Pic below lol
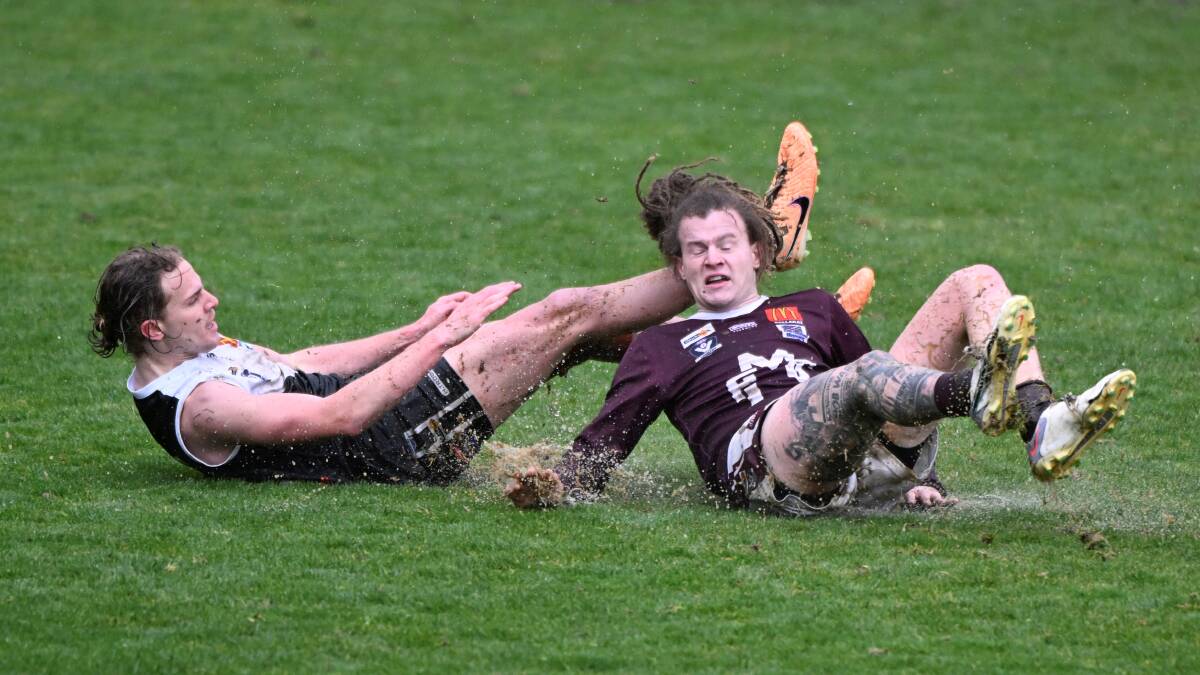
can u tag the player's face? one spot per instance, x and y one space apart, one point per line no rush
189 321
718 263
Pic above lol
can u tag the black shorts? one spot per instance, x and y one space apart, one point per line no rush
429 437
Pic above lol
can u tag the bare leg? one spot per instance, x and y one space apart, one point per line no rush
960 312
819 432
505 361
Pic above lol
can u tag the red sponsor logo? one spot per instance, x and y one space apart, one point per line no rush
781 314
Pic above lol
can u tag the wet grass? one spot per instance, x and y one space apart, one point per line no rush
331 168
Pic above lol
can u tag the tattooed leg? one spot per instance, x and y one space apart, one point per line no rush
819 432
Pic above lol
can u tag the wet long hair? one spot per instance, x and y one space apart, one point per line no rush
130 292
680 195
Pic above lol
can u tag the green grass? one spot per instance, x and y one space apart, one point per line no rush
330 169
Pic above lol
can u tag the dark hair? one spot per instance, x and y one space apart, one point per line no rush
130 292
680 195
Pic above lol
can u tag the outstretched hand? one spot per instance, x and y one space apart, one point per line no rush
440 309
535 488
468 314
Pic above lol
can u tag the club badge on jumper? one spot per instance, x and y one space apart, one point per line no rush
701 342
789 321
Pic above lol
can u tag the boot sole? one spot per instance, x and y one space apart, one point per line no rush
1014 335
791 202
1101 416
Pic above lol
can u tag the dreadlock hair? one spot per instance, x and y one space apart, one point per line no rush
680 195
129 293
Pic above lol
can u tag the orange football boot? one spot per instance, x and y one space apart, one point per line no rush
855 292
791 194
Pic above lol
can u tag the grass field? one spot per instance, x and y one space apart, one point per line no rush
332 168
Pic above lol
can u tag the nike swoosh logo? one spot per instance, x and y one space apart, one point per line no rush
803 203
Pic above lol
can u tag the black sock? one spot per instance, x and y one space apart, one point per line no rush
1033 397
952 393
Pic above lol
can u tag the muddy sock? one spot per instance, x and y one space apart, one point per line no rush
1033 397
952 393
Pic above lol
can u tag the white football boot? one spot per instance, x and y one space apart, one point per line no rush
1068 427
994 380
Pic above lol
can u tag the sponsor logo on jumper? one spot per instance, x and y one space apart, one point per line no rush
789 321
227 342
697 335
437 382
793 330
701 342
745 325
744 385
779 314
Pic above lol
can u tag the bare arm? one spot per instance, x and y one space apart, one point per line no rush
359 356
633 402
217 416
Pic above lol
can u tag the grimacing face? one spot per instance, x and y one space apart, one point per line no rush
717 261
189 320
